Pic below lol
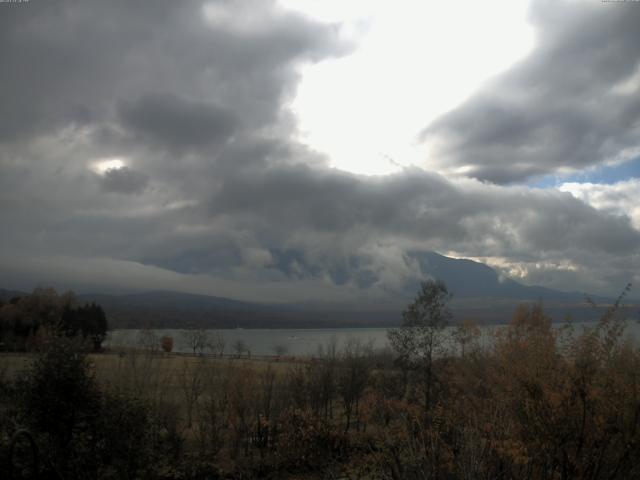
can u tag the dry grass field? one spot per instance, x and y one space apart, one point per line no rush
148 374
110 364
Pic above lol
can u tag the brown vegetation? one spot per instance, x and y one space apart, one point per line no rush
539 403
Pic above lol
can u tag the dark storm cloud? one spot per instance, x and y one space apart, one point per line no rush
177 123
72 63
124 180
355 229
419 206
572 103
216 195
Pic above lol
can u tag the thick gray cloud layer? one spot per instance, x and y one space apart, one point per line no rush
175 123
216 196
574 102
123 180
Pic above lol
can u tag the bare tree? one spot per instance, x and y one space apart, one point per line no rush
321 373
192 384
420 337
240 347
197 339
280 350
265 398
354 375
148 341
466 335
142 374
217 343
214 407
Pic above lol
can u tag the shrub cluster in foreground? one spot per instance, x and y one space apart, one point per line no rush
539 403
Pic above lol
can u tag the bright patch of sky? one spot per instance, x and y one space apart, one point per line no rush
620 198
102 165
414 61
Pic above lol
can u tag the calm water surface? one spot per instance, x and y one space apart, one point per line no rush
298 341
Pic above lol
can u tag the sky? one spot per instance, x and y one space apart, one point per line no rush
302 150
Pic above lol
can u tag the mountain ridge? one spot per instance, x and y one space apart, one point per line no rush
479 292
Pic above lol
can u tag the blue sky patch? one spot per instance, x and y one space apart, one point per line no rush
607 174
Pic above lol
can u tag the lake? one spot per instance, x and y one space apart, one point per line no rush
298 341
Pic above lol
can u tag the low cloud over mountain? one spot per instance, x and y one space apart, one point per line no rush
150 145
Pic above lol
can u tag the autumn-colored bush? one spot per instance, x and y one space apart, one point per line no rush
308 442
166 343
